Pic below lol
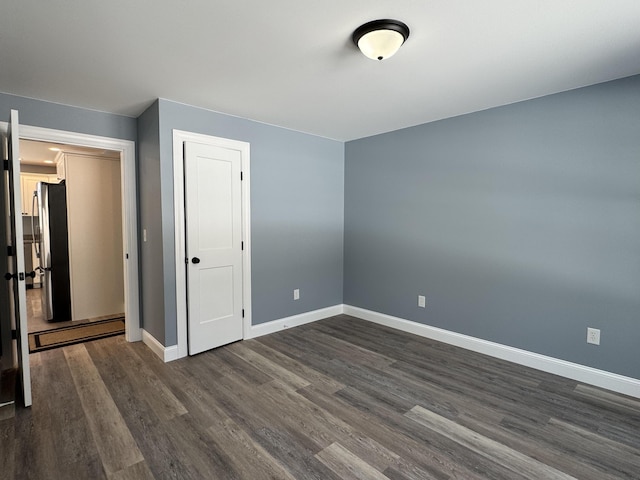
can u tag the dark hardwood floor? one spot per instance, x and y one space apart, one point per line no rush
336 399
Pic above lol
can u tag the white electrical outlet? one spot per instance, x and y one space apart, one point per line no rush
593 336
296 294
422 301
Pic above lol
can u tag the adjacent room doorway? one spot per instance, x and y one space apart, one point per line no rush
72 226
126 151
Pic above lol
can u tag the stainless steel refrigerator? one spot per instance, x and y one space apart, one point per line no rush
52 250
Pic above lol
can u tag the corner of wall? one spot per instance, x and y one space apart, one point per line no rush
166 354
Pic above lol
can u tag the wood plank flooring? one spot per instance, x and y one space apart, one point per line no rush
336 399
37 323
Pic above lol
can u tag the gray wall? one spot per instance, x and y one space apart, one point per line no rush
520 224
39 113
297 191
152 293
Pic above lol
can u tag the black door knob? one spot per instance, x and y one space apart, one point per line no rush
195 260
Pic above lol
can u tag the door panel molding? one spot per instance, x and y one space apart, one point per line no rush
179 138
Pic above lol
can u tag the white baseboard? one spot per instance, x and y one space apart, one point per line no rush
294 321
166 354
581 373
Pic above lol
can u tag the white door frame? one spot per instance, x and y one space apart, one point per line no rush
179 137
129 208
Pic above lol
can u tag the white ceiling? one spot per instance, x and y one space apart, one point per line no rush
291 62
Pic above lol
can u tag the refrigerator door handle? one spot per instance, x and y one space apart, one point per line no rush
35 203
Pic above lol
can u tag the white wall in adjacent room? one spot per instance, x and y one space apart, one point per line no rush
94 209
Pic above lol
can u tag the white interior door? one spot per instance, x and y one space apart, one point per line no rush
16 262
213 213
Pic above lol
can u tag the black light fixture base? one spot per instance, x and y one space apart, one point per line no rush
387 24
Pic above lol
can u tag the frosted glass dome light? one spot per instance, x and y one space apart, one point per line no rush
380 39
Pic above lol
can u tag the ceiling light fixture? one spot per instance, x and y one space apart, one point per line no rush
48 161
380 39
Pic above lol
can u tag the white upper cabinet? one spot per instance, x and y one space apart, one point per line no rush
28 182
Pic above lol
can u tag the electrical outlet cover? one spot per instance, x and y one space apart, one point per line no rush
422 301
593 336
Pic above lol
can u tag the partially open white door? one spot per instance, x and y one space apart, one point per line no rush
213 204
16 273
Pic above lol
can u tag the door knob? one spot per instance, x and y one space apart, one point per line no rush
195 260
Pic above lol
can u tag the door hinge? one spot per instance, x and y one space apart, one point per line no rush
14 334
243 313
242 245
240 175
5 165
10 252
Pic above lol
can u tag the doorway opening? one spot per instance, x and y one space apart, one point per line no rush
127 175
72 225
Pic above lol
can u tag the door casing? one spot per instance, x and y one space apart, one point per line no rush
179 137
